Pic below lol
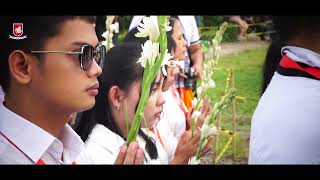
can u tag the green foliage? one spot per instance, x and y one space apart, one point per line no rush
122 35
124 23
212 20
230 35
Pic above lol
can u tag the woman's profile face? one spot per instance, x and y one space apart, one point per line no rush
181 45
154 106
128 106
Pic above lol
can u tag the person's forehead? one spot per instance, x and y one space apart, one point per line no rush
177 28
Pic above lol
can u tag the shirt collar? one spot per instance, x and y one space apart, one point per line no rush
72 144
302 55
34 141
28 137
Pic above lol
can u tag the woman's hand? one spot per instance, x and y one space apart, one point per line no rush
207 147
186 147
130 155
204 110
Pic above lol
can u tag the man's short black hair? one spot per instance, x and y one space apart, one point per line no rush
38 30
291 26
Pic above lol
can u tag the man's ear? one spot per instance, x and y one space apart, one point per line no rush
116 96
20 67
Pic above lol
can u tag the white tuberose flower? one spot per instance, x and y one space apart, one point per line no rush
194 161
149 53
166 58
194 101
211 84
199 90
207 130
168 28
195 114
149 27
165 61
108 42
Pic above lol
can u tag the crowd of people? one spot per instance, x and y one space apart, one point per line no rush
74 100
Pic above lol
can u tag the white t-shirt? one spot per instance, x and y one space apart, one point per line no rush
285 126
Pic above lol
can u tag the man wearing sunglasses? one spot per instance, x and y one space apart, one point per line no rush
48 71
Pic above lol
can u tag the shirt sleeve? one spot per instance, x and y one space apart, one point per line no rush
195 33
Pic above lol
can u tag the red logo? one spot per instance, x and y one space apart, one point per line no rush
17 29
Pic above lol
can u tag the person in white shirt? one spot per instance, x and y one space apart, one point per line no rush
120 88
1 95
192 37
285 124
176 116
48 73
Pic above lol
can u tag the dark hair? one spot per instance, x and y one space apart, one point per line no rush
38 30
130 37
101 27
120 69
271 62
290 26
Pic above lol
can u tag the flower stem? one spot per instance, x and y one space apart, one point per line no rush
149 75
200 147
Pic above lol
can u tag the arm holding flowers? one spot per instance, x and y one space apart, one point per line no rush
131 154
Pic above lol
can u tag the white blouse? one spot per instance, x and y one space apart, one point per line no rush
103 146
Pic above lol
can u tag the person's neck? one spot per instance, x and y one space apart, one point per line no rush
310 43
33 109
118 119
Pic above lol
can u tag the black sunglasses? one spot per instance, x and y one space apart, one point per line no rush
86 54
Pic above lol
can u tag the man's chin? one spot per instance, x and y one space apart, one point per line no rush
88 105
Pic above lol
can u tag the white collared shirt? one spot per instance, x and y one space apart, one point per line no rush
103 146
285 126
23 142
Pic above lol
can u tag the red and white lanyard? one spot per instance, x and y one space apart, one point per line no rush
180 102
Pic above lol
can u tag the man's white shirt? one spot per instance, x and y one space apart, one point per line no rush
22 142
285 126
